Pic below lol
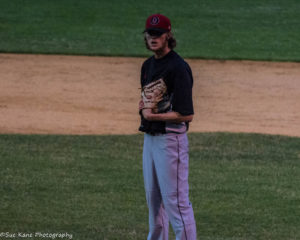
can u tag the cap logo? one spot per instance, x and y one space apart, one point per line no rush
155 20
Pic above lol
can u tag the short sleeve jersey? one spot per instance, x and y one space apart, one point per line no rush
178 78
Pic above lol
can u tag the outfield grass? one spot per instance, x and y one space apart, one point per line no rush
214 29
243 186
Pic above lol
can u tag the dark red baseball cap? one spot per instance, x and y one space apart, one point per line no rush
159 23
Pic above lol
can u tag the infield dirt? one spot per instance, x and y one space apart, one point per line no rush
50 94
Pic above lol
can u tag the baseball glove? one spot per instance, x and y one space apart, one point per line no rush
154 96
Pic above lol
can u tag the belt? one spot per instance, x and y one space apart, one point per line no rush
155 133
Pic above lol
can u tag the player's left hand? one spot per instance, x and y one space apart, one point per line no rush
147 113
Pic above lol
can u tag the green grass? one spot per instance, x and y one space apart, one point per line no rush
242 186
214 29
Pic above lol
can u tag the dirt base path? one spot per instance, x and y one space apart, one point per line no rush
99 95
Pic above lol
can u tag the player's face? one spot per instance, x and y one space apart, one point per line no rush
157 42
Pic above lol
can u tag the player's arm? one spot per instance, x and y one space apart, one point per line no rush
166 117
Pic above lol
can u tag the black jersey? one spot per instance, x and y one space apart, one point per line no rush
177 75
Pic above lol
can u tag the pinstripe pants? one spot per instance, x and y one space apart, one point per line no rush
165 168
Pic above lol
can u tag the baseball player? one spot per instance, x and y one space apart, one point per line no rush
166 109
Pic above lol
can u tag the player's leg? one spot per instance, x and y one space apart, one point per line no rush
171 155
158 219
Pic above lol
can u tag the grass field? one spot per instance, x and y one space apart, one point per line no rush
242 186
214 29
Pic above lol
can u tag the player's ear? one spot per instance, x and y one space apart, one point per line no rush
168 35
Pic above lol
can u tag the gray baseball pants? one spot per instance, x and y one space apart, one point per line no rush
165 168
